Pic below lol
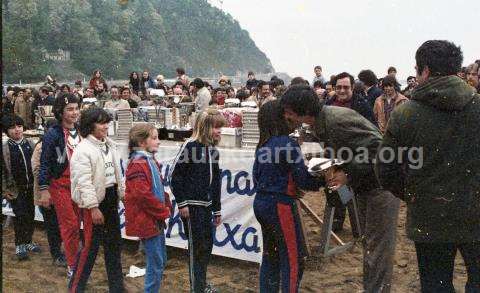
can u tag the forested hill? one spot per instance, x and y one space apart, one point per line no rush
120 36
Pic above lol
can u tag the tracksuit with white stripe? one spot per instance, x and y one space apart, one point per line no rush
278 170
196 183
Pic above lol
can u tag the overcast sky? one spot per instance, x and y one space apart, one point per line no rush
352 35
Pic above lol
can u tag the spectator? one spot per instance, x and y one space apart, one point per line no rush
386 103
203 96
411 84
438 182
42 100
23 107
7 103
134 82
370 80
318 75
96 79
472 76
127 96
251 82
146 82
182 77
116 102
265 95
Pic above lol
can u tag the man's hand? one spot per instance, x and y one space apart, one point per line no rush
97 216
8 196
337 179
217 220
184 212
45 199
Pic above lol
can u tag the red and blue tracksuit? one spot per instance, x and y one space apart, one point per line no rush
278 170
54 175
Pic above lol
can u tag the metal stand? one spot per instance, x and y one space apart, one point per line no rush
327 229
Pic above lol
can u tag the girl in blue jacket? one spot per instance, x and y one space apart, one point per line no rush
278 170
196 186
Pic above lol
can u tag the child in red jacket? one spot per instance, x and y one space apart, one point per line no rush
146 203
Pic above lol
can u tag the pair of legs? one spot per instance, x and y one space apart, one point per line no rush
156 255
378 212
52 230
107 234
436 263
283 244
23 222
199 230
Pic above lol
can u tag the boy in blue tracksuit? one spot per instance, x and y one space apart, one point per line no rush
278 170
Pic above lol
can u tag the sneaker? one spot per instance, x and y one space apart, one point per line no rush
33 247
210 289
69 274
60 262
21 252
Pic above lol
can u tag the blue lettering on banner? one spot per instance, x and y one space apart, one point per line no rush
249 188
250 233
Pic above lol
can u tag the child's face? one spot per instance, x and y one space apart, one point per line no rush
101 131
152 142
71 113
15 132
217 134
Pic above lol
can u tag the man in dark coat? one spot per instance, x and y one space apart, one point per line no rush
344 97
345 133
431 160
370 80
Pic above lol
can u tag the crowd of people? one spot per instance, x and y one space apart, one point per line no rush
74 175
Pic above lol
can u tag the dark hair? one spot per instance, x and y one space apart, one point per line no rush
198 83
44 90
302 100
78 82
342 76
95 72
318 67
91 116
251 73
271 122
390 69
61 102
389 81
180 71
298 80
241 95
441 57
10 121
124 88
64 86
411 77
368 77
318 84
262 83
132 80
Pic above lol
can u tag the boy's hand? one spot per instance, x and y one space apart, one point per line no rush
45 198
97 216
217 220
184 212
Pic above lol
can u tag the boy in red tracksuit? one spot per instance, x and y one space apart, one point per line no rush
54 174
147 205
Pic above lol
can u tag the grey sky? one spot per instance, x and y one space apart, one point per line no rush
352 35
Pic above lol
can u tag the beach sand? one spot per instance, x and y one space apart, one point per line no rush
340 273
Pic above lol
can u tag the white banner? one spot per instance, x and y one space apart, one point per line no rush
239 236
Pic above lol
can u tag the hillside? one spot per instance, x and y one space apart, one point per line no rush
122 36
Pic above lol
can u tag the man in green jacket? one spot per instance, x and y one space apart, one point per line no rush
348 136
441 182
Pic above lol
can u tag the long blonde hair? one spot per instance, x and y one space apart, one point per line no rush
138 134
205 122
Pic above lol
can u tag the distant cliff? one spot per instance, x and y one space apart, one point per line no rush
71 38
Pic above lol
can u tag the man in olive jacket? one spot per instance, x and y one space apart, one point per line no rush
347 135
442 188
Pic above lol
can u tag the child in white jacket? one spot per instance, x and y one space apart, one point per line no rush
97 185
